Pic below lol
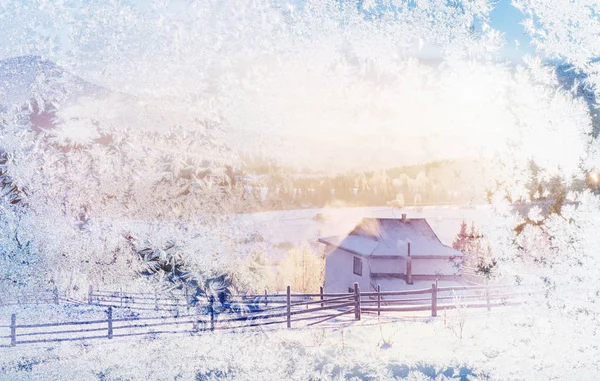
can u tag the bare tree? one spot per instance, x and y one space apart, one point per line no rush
302 269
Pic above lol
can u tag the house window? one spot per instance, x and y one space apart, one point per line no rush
358 266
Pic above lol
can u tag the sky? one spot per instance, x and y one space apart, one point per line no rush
507 19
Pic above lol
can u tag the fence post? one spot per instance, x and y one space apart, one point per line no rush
434 299
156 300
13 330
487 295
409 267
110 325
378 300
212 312
321 292
196 321
121 295
289 307
266 300
356 301
90 294
55 294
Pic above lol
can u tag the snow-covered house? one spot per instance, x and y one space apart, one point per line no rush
391 252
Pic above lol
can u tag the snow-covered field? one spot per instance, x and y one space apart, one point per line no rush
503 344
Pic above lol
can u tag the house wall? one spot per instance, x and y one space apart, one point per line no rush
420 266
339 265
339 274
433 266
388 266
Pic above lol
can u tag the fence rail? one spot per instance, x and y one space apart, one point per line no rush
272 309
175 301
28 298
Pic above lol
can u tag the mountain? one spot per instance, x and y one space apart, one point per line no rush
41 84
26 77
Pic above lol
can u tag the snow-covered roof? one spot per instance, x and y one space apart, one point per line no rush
389 237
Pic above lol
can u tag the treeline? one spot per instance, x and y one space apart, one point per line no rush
270 186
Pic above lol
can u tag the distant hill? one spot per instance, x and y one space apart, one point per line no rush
41 84
26 77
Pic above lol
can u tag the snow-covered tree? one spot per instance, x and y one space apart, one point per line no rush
302 269
398 202
478 260
72 186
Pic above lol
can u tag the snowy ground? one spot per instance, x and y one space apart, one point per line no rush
504 344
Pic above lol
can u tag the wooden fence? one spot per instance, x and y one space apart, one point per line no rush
27 298
275 309
176 301
140 301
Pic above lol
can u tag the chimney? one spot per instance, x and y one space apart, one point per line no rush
409 267
403 217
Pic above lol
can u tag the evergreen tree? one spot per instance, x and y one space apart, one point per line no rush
478 258
461 240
